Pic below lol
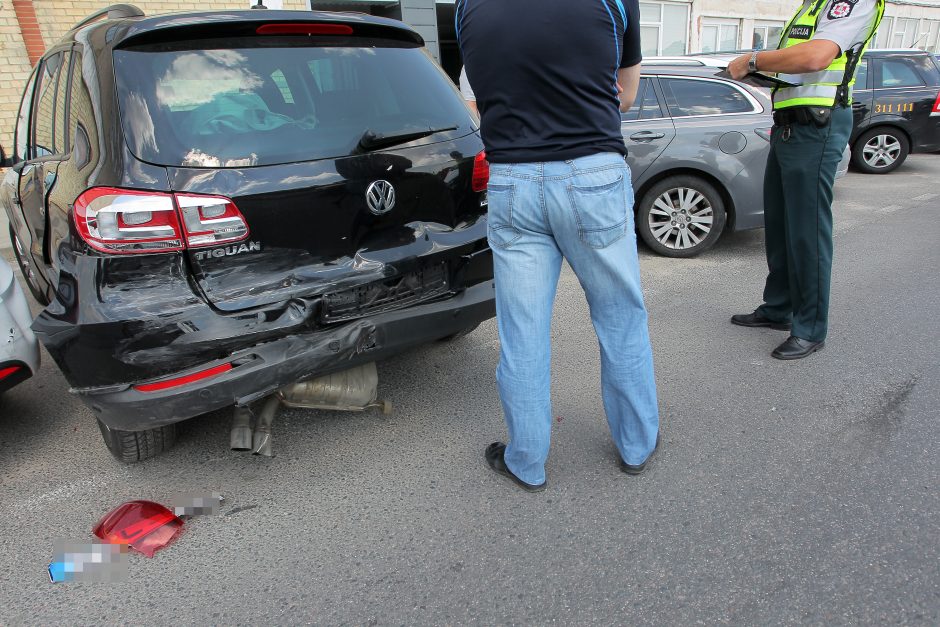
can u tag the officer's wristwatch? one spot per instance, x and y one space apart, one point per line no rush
752 62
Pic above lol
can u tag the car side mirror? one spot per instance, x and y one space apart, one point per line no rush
5 161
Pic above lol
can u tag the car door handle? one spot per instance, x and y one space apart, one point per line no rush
645 136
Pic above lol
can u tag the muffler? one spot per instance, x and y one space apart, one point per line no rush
350 390
355 389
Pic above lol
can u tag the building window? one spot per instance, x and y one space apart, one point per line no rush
929 38
719 35
766 35
905 32
883 36
664 28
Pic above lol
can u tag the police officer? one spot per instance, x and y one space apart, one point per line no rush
819 52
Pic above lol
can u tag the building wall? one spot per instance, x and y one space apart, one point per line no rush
745 16
422 16
14 70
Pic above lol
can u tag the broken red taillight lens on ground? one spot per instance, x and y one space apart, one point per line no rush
144 526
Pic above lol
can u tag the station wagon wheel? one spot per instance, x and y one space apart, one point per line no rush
27 269
880 150
681 216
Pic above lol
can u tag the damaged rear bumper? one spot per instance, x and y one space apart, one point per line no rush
255 372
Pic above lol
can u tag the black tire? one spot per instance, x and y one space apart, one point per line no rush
880 150
679 229
459 334
26 269
135 446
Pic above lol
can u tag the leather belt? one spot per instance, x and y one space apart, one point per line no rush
803 115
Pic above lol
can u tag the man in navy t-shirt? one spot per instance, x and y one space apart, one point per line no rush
550 78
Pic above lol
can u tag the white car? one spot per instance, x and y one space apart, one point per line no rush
19 349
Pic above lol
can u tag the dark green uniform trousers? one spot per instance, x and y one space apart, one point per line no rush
801 170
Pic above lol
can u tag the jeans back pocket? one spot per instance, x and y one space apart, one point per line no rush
500 231
601 208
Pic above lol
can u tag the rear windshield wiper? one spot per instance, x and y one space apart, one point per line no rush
371 140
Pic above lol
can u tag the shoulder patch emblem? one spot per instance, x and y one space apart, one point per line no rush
840 9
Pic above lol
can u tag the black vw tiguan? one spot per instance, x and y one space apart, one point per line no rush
213 205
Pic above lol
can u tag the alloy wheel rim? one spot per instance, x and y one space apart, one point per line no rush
681 218
881 151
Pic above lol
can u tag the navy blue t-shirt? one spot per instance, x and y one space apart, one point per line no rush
545 74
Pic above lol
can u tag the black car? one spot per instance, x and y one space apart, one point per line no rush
896 102
214 205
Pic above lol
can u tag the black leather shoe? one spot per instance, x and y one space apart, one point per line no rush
494 457
757 320
796 348
635 469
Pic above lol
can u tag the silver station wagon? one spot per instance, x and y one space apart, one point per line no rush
698 146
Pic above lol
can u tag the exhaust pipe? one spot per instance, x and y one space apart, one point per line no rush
261 440
241 429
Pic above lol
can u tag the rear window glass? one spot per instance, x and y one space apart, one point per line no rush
898 73
646 106
261 105
861 75
688 97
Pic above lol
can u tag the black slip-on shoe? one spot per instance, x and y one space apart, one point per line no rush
635 469
494 457
797 348
756 320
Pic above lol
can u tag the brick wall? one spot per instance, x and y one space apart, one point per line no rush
14 70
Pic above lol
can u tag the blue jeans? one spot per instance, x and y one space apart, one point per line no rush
580 210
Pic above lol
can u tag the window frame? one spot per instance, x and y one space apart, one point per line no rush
66 147
905 34
31 149
765 26
720 23
28 92
647 85
877 80
882 37
659 24
869 74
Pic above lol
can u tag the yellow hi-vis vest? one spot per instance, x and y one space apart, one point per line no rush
830 86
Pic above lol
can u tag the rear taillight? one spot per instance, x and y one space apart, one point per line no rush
211 220
481 173
763 133
125 221
6 372
121 221
936 106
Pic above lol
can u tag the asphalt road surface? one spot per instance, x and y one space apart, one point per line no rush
800 492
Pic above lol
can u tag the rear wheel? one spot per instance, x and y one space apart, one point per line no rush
28 269
880 150
681 216
135 446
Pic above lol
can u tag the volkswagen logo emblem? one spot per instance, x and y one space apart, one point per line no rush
380 196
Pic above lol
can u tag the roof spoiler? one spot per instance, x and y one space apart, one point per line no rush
113 12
